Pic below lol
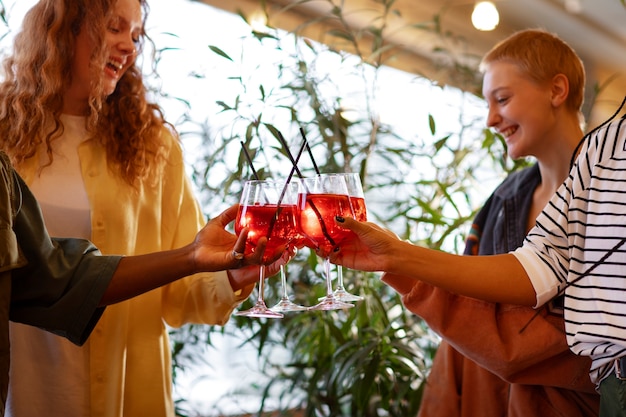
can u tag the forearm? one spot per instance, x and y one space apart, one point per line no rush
496 278
138 274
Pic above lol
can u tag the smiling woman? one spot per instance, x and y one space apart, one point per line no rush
214 100
124 29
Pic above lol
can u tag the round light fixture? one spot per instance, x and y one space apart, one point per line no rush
485 16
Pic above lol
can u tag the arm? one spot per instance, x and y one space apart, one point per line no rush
212 250
66 282
520 340
503 279
511 332
520 343
61 285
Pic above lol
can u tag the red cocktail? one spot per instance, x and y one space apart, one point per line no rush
278 224
321 199
267 209
358 205
317 220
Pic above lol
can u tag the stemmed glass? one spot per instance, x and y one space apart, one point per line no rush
262 210
357 200
321 199
285 304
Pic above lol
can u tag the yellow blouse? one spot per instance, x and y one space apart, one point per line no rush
129 351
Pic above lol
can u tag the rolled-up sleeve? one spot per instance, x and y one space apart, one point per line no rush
540 274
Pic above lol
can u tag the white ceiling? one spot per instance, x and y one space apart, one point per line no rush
597 31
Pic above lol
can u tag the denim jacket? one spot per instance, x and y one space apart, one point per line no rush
500 225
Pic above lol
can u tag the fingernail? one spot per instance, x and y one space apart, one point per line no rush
340 219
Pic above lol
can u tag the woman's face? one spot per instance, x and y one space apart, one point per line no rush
121 39
519 109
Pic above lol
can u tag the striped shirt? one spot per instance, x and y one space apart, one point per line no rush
578 248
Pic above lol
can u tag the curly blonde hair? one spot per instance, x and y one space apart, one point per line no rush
31 96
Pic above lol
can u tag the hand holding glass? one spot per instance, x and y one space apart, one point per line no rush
264 213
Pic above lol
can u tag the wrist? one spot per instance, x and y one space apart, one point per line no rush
191 262
233 284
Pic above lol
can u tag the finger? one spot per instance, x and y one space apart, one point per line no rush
238 252
240 244
259 250
238 256
336 256
227 215
254 257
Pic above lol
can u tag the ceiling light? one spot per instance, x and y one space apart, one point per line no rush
258 21
485 16
573 6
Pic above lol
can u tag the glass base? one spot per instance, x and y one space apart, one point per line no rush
343 295
331 303
285 305
260 310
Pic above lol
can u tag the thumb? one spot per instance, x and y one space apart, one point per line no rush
348 223
227 216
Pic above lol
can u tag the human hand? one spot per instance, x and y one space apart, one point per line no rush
370 249
243 266
242 277
216 249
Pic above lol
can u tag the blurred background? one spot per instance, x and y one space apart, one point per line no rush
385 88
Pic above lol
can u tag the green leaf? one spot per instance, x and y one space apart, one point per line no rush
220 52
431 124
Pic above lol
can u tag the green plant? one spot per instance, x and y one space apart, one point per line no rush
370 360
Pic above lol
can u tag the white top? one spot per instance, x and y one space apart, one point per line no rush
579 248
65 207
60 189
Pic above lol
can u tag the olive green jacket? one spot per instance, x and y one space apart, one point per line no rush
54 284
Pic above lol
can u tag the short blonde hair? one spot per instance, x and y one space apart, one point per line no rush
541 55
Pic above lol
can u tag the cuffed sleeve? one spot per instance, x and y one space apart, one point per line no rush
540 275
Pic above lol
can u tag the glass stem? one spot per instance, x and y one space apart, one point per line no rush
340 277
329 284
261 284
283 281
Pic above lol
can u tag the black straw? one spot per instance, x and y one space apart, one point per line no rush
294 168
245 151
283 142
308 148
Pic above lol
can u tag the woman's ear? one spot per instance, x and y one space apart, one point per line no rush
560 89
